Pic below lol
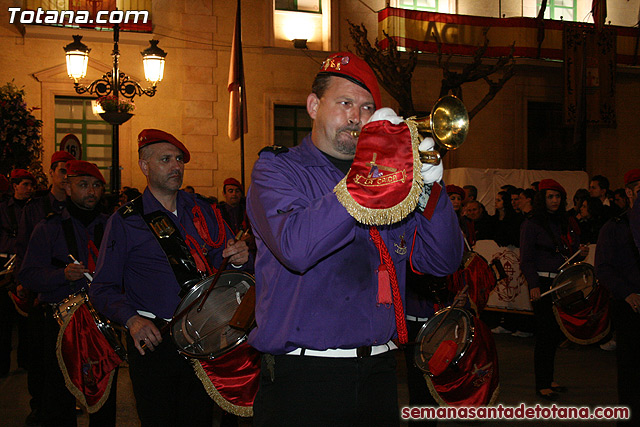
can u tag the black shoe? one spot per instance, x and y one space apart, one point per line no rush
559 389
551 397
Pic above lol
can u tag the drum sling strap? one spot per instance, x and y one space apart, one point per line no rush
12 230
172 243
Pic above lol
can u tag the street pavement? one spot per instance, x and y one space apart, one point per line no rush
588 372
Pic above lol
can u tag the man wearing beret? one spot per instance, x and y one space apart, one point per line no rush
23 184
617 265
47 270
327 342
37 208
137 286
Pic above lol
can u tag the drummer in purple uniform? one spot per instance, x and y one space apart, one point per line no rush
23 184
136 285
618 268
326 339
48 271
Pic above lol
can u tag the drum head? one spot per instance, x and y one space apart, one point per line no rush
457 327
207 334
575 284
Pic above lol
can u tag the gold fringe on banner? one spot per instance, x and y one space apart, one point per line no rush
241 411
397 213
67 379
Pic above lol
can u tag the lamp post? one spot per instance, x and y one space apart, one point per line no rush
117 84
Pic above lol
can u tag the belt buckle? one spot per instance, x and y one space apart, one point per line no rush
364 351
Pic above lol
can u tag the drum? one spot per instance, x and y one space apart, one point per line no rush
67 307
208 334
457 327
7 265
573 287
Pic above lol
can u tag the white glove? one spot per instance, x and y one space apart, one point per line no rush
430 173
388 114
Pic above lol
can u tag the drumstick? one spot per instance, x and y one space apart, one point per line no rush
568 260
561 285
200 299
225 261
75 261
449 310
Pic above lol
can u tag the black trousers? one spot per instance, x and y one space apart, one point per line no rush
57 406
627 324
319 391
548 337
166 388
8 318
419 394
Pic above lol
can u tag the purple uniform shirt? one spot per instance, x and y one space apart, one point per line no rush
10 213
634 221
617 262
538 251
44 262
34 212
131 260
316 280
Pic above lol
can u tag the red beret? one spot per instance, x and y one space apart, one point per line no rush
231 181
61 156
4 183
632 176
82 168
351 67
550 184
22 174
454 189
152 136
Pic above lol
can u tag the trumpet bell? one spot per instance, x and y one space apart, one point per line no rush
448 122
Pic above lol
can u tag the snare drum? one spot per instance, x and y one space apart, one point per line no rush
67 307
457 327
207 334
575 287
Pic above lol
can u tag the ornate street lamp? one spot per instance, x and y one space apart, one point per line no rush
115 84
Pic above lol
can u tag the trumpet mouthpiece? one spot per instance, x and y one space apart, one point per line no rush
355 133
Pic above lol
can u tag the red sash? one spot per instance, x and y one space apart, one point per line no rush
481 280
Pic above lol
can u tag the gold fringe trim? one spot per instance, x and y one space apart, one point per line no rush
397 213
241 411
67 380
578 340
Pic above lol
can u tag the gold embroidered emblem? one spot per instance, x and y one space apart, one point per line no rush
162 227
401 249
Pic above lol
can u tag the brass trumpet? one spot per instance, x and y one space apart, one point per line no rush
447 124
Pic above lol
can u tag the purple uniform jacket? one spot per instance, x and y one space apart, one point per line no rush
538 252
44 262
617 261
34 212
133 273
10 213
316 280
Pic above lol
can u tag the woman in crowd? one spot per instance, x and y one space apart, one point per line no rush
506 223
547 239
590 220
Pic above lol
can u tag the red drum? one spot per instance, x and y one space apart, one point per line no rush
88 351
227 366
470 378
580 304
476 272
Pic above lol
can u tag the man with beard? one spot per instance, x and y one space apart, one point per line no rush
48 271
137 285
319 274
